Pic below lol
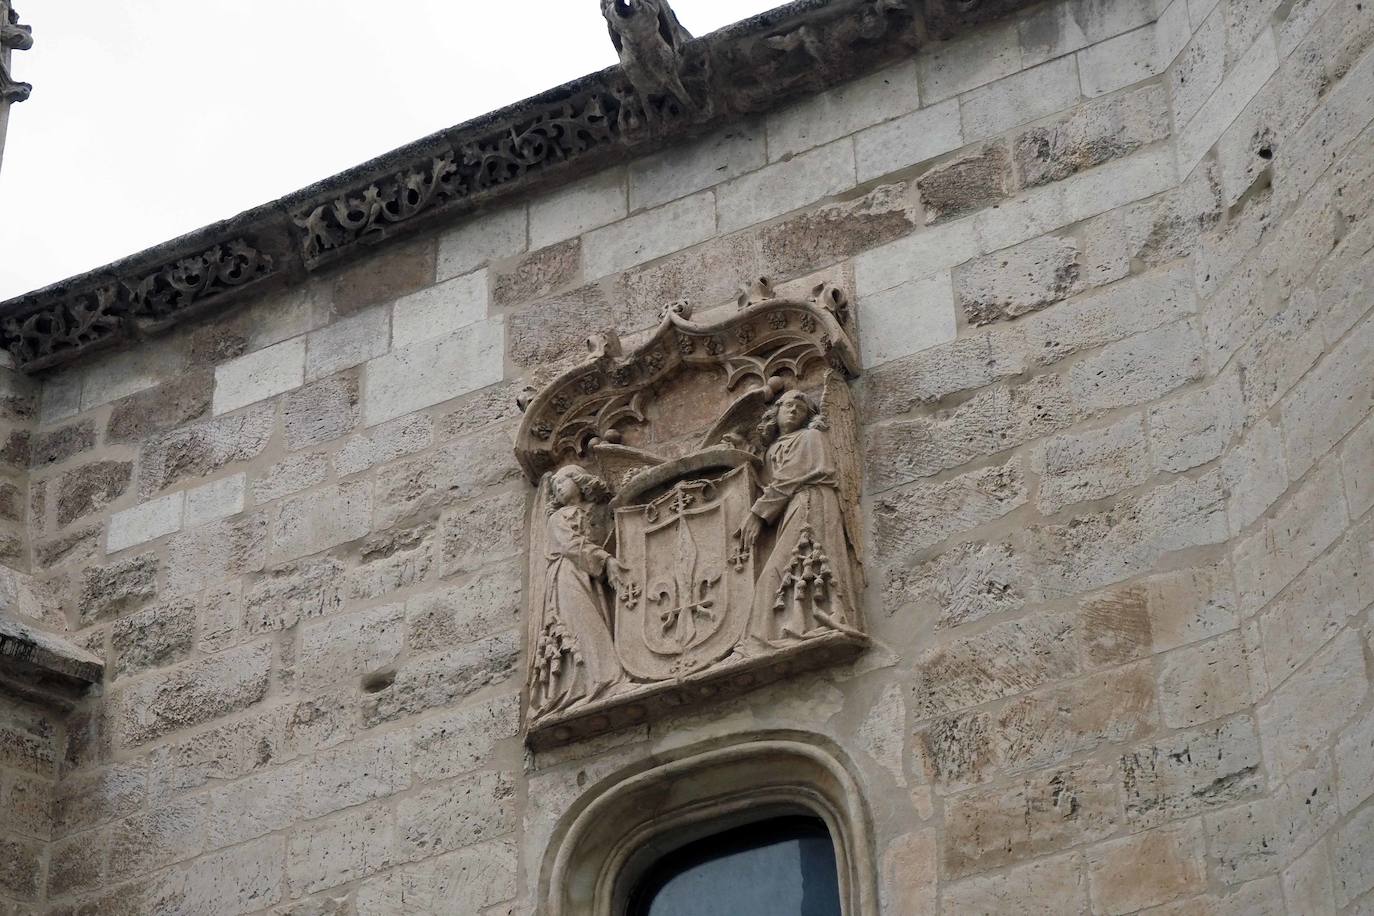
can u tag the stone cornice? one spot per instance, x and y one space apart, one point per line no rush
573 130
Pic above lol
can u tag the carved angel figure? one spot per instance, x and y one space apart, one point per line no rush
808 583
649 40
574 659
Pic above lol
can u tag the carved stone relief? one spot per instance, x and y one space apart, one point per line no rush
696 530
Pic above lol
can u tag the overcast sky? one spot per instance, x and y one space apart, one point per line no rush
150 118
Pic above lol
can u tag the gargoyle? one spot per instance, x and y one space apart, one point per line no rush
649 40
13 36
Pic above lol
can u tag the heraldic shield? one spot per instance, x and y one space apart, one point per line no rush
687 599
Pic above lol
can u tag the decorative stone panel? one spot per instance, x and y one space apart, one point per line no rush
696 531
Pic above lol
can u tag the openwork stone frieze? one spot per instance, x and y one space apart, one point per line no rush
668 87
50 331
696 529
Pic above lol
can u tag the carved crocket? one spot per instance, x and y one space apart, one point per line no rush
649 39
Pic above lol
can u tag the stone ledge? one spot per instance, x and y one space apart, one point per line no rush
731 678
583 126
45 668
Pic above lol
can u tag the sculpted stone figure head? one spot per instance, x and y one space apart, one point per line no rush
790 412
572 485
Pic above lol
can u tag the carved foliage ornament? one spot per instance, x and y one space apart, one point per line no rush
88 317
680 552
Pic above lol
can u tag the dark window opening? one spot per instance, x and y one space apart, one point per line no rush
779 867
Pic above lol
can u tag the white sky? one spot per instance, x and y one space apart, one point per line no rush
150 118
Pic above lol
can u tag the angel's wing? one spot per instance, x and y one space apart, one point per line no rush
837 406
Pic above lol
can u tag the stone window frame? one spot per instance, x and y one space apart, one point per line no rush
605 845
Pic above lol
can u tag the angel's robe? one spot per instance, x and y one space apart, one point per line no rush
573 596
801 496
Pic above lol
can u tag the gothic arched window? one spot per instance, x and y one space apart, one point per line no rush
779 867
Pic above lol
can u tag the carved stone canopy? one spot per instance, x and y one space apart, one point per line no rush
696 532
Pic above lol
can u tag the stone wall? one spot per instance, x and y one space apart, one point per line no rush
1111 265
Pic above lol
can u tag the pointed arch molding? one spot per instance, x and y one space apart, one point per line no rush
619 828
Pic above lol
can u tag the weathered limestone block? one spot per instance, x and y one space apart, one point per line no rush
915 518
341 650
1082 466
57 445
200 450
459 742
193 694
294 592
340 849
481 532
1203 682
1312 706
1055 886
90 488
347 343
1192 771
1147 869
554 331
1140 368
387 442
91 799
215 552
830 233
1006 660
391 272
355 773
119 587
1310 520
490 602
432 681
1044 813
455 814
966 184
21 868
538 274
1114 627
911 867
423 486
1353 857
317 521
144 415
964 584
1104 547
480 875
993 420
1097 132
153 638
291 475
1195 427
160 836
320 412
